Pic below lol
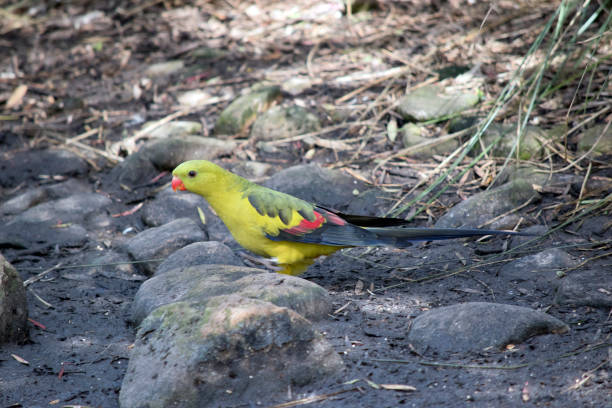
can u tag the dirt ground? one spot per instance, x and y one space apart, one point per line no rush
88 75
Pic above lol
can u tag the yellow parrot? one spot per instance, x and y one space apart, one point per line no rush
293 232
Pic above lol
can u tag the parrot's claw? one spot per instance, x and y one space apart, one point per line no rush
269 263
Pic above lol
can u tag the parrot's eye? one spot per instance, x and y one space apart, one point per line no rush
192 173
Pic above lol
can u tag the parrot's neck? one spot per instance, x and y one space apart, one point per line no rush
229 189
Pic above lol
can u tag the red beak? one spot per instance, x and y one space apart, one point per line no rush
177 184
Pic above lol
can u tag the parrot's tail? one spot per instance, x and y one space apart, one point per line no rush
403 237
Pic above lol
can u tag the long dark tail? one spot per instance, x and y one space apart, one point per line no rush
402 237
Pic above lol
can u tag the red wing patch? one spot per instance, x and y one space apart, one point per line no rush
305 226
334 219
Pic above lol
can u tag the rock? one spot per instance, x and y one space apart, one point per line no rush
585 288
13 305
32 164
38 195
65 210
115 265
243 111
166 154
199 253
484 206
230 351
201 282
169 205
42 235
280 122
430 102
174 129
589 137
476 326
165 68
298 84
412 134
38 237
252 170
156 243
537 270
193 98
529 147
330 188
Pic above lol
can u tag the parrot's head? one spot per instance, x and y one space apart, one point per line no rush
197 176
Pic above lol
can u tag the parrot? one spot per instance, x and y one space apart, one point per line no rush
292 232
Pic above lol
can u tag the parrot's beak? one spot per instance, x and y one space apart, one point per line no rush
177 184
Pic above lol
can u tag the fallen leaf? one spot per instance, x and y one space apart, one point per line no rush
21 360
16 97
398 387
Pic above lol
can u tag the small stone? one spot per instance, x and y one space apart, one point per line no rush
476 326
156 243
585 288
590 136
280 122
193 98
166 154
412 135
66 210
243 111
539 269
199 253
482 207
166 68
430 102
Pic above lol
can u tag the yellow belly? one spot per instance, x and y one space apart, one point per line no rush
249 229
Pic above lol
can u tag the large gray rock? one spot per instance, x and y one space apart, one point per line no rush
225 353
156 243
476 326
13 304
484 206
200 283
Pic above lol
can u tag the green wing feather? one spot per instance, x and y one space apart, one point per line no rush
276 204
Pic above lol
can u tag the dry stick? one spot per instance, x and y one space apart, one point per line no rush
393 72
433 172
319 132
84 135
310 400
115 147
41 275
584 182
109 156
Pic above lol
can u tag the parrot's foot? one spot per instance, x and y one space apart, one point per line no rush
268 263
